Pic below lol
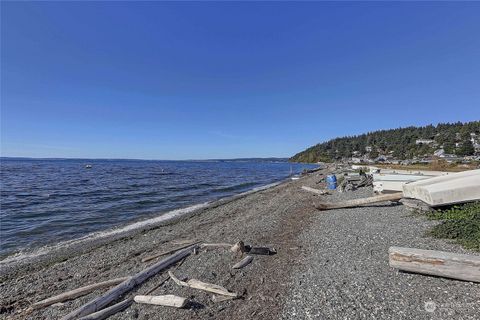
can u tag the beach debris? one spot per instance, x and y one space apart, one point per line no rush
358 202
107 312
238 247
242 263
316 191
261 250
69 295
168 300
114 293
438 263
146 259
197 284
447 189
352 182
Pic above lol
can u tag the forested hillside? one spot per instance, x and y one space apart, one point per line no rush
401 143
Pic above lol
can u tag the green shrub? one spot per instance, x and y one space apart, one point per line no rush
460 223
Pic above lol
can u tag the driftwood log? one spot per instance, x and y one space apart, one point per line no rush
437 263
107 312
114 293
359 202
168 300
69 295
242 263
197 284
146 259
316 191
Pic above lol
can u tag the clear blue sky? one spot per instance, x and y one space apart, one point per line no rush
221 80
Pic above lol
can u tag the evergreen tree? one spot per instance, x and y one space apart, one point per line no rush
401 141
466 149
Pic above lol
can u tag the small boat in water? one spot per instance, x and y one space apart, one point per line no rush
88 166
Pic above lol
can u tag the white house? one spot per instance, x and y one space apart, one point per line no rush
424 141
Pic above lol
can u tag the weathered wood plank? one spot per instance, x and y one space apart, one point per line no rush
438 263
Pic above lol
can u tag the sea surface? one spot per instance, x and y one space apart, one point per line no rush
44 202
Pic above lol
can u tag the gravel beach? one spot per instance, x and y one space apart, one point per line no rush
329 265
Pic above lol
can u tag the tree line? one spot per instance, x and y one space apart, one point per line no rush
454 138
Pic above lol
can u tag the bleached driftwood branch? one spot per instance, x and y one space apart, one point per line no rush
114 293
197 284
168 300
146 259
244 262
69 295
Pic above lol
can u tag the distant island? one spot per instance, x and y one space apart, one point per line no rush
449 141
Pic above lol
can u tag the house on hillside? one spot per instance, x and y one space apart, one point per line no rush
439 152
424 141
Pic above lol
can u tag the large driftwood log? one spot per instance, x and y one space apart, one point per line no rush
168 300
107 312
242 263
69 295
197 284
316 191
359 202
146 259
438 263
114 293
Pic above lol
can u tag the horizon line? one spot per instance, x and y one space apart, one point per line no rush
137 159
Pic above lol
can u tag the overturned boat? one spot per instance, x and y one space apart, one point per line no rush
445 190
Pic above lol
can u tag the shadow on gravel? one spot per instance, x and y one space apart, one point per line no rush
195 305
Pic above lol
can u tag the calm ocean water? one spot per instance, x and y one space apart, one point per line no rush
47 201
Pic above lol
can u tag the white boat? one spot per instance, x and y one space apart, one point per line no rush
445 190
88 166
387 180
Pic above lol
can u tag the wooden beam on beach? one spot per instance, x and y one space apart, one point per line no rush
438 263
69 295
114 293
359 202
313 190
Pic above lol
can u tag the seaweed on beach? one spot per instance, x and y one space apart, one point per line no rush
460 223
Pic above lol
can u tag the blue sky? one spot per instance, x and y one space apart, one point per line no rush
203 80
